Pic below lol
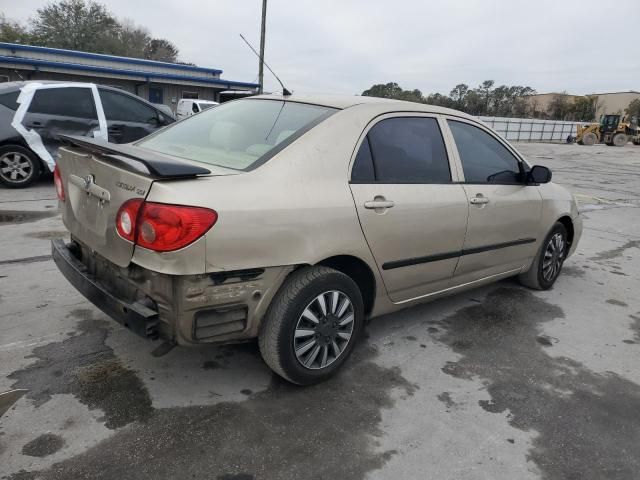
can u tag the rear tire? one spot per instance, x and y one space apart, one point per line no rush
589 139
547 265
620 140
19 167
301 343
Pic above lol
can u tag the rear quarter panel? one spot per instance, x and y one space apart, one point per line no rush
295 209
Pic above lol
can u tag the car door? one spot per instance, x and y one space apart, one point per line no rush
504 211
61 110
412 213
128 119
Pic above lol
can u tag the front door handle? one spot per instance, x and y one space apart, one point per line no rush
479 200
379 203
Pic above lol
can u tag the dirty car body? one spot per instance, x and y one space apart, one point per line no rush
292 219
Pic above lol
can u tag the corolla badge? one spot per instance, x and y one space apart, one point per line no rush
88 181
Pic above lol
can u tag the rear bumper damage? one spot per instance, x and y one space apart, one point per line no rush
218 307
136 316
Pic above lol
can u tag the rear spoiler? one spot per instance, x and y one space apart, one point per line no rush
156 164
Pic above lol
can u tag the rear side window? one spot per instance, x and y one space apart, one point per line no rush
363 171
406 150
123 108
10 100
66 102
484 159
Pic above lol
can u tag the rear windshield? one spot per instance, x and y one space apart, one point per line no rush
240 135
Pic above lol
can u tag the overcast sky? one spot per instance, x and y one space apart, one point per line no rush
346 46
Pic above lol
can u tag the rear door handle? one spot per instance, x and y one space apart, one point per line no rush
480 200
378 204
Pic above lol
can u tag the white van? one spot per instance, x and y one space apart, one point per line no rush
189 106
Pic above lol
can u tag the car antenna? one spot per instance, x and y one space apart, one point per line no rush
285 92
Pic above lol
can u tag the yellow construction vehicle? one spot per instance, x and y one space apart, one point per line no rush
613 130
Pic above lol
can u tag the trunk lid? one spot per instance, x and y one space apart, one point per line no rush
94 192
98 178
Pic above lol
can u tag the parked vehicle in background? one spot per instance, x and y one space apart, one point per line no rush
292 219
187 107
164 109
33 115
613 130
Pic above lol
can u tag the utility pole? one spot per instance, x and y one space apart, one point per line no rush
262 32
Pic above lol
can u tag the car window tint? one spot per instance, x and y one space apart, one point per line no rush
66 102
124 108
362 170
409 149
484 159
10 100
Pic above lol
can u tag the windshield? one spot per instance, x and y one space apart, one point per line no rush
204 106
238 134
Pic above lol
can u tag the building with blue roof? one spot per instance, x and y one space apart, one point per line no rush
158 82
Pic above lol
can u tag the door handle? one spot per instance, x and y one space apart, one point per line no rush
378 203
34 125
479 200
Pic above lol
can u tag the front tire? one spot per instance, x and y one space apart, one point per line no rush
548 263
312 325
19 167
589 139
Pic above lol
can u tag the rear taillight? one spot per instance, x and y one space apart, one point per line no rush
126 219
57 181
163 227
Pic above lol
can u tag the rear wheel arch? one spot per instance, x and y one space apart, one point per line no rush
360 272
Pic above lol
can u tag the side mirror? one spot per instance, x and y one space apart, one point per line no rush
539 174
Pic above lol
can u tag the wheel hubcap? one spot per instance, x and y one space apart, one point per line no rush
15 167
553 257
324 330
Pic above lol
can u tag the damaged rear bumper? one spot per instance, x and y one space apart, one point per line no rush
136 316
219 307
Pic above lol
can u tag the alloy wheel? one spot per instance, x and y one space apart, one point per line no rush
553 257
324 329
15 167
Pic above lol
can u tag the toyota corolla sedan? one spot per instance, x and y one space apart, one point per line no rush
295 219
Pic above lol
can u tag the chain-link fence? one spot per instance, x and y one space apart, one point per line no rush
531 129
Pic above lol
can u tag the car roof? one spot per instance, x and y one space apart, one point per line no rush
348 101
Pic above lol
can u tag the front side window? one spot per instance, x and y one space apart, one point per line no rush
238 134
404 150
484 159
122 108
66 102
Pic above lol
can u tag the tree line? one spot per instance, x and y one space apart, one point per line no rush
87 26
495 101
